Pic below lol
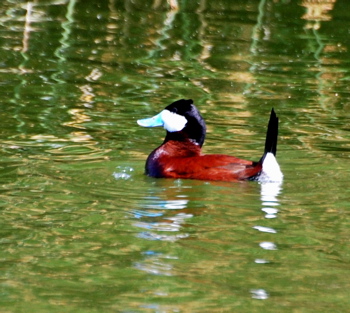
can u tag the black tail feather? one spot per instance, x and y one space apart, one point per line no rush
271 135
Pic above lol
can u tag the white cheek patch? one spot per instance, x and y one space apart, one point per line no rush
173 122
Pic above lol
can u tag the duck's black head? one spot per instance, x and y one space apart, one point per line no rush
182 121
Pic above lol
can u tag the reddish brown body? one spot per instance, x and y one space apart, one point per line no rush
183 159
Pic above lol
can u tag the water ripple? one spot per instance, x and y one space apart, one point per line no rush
265 229
123 172
259 294
155 236
268 245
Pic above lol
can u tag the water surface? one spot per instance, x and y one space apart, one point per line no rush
84 230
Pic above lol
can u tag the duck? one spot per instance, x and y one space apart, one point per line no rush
180 156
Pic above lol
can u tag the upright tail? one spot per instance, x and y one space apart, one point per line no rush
271 136
270 169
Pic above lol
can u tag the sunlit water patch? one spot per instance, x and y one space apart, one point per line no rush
84 230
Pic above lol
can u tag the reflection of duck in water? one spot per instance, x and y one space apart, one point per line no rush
180 154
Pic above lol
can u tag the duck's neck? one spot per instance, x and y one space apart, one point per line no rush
183 137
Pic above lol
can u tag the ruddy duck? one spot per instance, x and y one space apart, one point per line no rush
180 155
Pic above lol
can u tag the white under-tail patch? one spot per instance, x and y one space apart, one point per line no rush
271 171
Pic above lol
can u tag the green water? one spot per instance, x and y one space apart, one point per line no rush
83 230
